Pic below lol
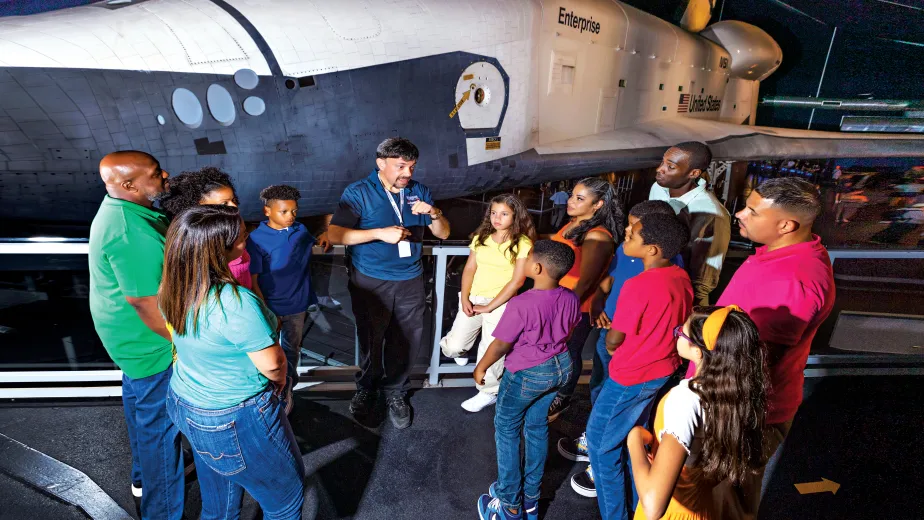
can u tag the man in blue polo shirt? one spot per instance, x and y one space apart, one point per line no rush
381 219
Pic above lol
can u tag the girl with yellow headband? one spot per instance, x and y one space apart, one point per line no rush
707 428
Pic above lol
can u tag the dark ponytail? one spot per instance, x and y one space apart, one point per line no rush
609 216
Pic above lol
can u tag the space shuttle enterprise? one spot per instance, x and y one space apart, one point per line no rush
495 93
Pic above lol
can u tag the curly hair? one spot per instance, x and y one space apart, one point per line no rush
732 385
556 257
665 231
609 216
522 224
188 188
650 207
279 192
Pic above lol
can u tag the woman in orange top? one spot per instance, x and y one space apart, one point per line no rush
596 218
708 428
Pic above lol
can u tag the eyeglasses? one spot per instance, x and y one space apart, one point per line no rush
678 333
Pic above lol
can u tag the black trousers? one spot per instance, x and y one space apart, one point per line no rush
389 325
575 345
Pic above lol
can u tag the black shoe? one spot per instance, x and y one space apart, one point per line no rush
583 483
398 411
362 403
559 405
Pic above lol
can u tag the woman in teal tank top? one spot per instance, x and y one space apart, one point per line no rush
227 392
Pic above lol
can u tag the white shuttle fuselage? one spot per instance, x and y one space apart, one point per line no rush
495 92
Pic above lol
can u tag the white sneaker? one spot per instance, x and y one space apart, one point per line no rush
328 302
461 361
136 491
479 402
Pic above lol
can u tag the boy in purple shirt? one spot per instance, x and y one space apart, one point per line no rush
533 334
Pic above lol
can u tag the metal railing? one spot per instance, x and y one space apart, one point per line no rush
818 366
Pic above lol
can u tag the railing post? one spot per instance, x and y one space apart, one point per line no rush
440 279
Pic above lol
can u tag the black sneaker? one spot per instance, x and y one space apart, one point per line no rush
362 403
574 449
583 483
559 405
398 411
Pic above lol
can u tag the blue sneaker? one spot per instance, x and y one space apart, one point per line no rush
491 509
531 509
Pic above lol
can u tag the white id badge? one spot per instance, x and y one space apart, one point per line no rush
404 249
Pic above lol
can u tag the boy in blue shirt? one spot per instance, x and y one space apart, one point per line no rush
280 250
621 269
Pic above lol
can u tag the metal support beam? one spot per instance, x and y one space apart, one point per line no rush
55 478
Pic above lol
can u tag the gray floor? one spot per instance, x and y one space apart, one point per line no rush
861 432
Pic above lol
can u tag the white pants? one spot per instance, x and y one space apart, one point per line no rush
462 336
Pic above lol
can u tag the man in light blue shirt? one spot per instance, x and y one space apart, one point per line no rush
559 206
679 182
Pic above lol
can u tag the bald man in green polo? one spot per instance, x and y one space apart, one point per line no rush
126 260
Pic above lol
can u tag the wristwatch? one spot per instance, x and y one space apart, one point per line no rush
439 214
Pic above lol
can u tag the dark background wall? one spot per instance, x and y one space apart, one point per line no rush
878 49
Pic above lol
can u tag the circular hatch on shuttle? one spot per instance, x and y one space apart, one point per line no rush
486 96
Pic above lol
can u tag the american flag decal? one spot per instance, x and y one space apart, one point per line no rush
684 106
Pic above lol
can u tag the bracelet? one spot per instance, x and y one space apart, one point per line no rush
439 215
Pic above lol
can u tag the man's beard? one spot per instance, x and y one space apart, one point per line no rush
157 197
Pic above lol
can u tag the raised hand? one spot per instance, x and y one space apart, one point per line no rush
420 207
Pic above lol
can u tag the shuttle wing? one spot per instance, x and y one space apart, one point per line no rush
730 142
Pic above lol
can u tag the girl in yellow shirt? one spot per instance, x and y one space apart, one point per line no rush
494 272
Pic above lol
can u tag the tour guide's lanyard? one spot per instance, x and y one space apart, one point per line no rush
404 247
396 207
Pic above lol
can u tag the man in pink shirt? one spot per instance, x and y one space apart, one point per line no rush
787 287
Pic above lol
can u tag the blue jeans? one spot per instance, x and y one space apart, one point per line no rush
600 371
523 408
291 332
617 410
157 463
246 447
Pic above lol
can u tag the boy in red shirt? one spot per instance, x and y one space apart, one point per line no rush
642 344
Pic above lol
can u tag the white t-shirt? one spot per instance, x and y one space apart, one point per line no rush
683 419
